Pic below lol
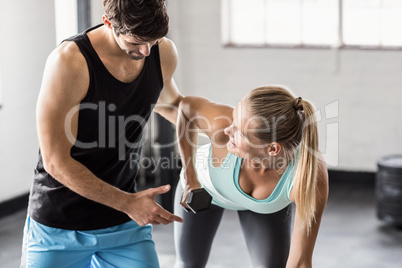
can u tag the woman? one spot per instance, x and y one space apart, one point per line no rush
263 157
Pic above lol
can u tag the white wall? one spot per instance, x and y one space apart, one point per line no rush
66 19
96 12
366 84
27 36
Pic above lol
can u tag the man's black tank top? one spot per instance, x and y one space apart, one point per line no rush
111 120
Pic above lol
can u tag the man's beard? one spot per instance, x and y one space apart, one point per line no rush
134 56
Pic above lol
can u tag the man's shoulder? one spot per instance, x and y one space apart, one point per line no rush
66 68
168 57
166 42
68 53
167 48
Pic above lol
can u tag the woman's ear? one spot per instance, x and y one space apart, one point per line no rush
274 149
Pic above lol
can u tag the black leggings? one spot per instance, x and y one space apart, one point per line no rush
267 235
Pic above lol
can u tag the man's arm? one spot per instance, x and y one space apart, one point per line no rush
65 83
302 245
170 96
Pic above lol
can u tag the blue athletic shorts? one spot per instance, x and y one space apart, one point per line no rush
125 245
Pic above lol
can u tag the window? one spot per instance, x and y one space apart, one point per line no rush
372 22
323 23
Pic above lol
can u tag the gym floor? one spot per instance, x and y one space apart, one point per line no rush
350 236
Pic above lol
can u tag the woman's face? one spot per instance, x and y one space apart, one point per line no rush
242 140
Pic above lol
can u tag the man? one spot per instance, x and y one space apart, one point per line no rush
97 92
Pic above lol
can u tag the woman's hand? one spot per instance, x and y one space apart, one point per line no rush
188 188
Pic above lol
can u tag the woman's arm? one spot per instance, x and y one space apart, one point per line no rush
209 117
199 114
302 245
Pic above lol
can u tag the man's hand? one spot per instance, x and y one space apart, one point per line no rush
143 208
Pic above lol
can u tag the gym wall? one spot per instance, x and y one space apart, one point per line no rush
357 91
27 37
29 32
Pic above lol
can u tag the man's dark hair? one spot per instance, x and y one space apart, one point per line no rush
144 19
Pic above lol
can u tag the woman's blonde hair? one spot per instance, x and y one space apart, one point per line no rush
292 122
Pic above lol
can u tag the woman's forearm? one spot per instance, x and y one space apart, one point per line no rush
187 139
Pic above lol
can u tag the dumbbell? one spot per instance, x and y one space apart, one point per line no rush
198 200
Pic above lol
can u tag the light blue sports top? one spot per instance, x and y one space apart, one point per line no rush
223 183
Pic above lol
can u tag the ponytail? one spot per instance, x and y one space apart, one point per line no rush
306 173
